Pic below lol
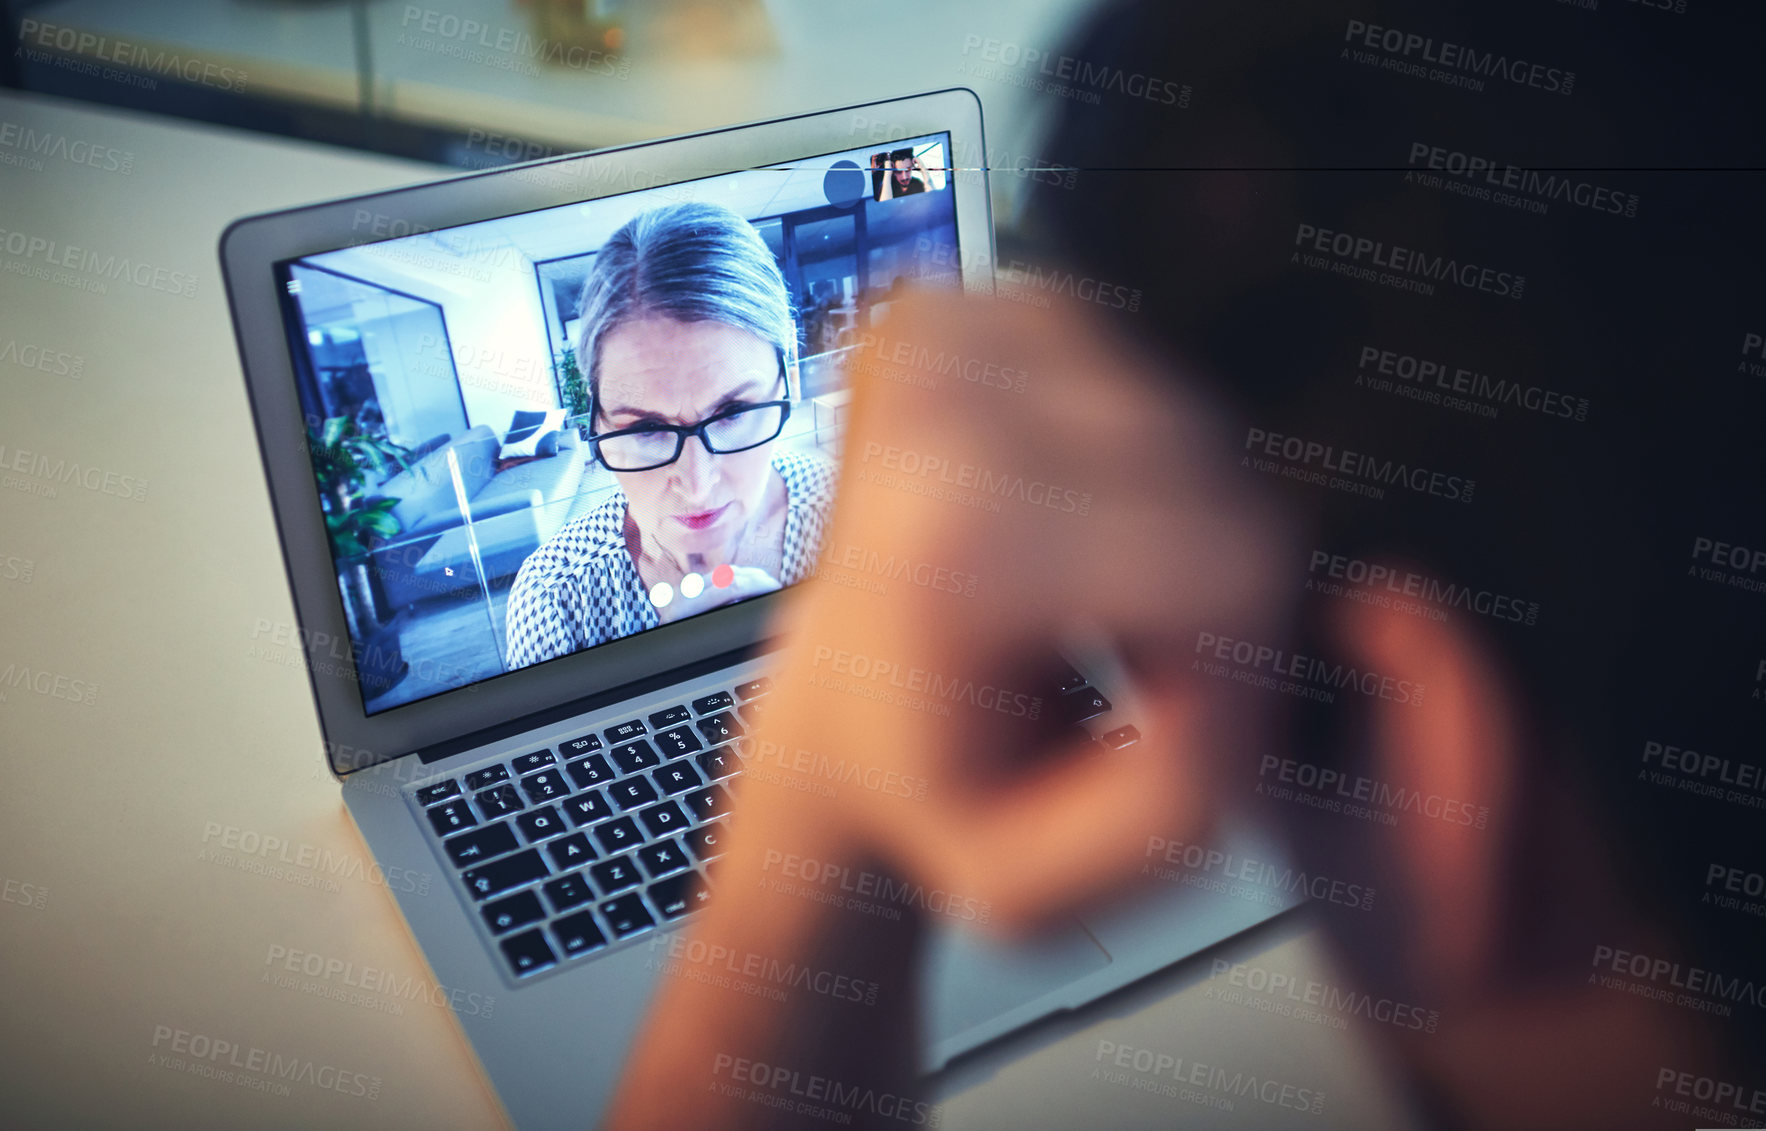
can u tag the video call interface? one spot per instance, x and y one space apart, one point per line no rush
449 422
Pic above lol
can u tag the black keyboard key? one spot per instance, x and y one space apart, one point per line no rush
520 909
569 891
708 804
671 717
632 792
578 934
1081 705
626 914
587 808
719 763
570 851
440 791
589 772
546 785
624 732
490 775
679 741
678 895
720 728
617 836
501 875
712 704
481 844
664 819
615 874
538 760
635 756
528 953
1068 681
754 688
663 857
676 777
577 747
541 824
706 841
1122 736
452 817
499 802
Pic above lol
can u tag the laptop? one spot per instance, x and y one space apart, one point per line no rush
410 358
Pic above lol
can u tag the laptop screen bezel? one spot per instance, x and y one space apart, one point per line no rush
251 247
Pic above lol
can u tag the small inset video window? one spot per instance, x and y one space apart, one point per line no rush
909 170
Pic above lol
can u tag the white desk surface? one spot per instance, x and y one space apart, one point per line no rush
827 54
197 720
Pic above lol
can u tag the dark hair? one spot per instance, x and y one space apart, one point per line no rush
1201 207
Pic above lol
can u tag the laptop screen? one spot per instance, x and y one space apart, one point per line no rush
549 431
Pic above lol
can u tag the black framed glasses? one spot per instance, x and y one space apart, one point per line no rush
646 447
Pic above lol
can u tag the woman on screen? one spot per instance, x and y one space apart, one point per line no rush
689 346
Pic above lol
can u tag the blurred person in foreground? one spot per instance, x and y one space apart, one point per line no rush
1161 423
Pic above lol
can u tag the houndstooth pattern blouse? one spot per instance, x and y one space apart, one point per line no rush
581 588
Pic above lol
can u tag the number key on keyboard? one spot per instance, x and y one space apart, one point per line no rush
545 785
452 817
591 771
720 728
635 756
679 741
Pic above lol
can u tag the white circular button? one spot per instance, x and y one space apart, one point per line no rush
661 594
692 585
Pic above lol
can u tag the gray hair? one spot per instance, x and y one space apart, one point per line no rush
692 262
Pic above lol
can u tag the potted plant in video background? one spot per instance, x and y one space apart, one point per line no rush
343 458
574 390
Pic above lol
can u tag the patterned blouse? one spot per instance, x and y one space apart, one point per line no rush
581 588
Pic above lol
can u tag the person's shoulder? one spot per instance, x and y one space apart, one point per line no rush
810 477
579 547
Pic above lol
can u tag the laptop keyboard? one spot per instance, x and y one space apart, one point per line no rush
568 851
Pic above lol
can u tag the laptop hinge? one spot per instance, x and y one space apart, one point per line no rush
600 699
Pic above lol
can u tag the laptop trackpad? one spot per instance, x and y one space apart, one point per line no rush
974 979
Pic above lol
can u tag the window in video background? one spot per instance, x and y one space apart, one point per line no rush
438 368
